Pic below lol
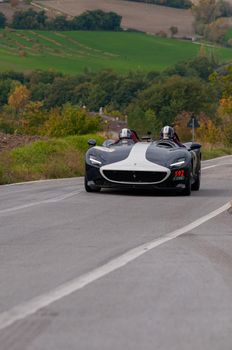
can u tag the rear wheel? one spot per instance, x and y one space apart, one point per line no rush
91 188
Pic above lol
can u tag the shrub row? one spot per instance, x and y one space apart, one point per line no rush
89 20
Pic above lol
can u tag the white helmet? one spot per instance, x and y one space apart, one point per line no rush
125 134
167 133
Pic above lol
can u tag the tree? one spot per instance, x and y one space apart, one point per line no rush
70 120
59 23
173 30
14 3
173 95
144 122
216 31
5 88
2 20
29 19
19 98
207 11
221 81
208 132
184 4
32 118
96 20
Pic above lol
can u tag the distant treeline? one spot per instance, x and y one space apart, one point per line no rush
53 104
36 102
182 4
89 20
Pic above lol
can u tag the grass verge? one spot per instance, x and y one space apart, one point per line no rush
59 158
214 152
55 158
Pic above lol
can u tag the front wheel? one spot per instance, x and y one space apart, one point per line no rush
91 188
196 185
187 190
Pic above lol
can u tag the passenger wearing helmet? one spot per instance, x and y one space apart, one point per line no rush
125 134
128 136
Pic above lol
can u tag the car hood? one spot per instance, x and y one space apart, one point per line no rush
139 156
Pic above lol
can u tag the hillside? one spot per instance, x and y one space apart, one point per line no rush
72 52
145 17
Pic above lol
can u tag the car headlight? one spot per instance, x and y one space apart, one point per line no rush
179 162
93 160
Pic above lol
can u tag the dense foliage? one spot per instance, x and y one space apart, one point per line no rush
89 20
2 20
45 159
209 19
53 104
183 4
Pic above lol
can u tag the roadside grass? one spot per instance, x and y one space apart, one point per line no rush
55 158
72 52
60 158
228 35
209 152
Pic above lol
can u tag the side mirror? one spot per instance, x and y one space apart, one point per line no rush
195 146
92 142
108 143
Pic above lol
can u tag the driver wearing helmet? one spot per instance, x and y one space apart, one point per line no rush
168 133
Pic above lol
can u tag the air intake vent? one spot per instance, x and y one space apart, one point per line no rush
135 176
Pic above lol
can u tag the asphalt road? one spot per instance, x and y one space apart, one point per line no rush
114 270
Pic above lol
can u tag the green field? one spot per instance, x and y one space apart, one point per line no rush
72 52
228 35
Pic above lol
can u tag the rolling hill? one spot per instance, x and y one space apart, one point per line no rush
141 16
72 52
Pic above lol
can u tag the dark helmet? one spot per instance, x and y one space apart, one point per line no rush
167 133
125 134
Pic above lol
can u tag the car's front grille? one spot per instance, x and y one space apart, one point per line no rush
135 176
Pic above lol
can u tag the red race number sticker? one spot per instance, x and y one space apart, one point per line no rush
179 173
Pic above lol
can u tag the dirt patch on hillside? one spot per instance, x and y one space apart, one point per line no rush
8 141
9 10
145 17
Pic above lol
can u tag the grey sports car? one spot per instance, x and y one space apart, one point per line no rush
161 164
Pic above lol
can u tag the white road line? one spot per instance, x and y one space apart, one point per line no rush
44 181
214 166
211 166
27 309
217 158
51 200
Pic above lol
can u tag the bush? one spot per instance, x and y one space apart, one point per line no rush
50 159
162 34
2 20
70 120
29 19
183 4
89 20
96 20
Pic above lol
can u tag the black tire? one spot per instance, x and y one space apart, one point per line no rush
187 190
91 188
196 185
